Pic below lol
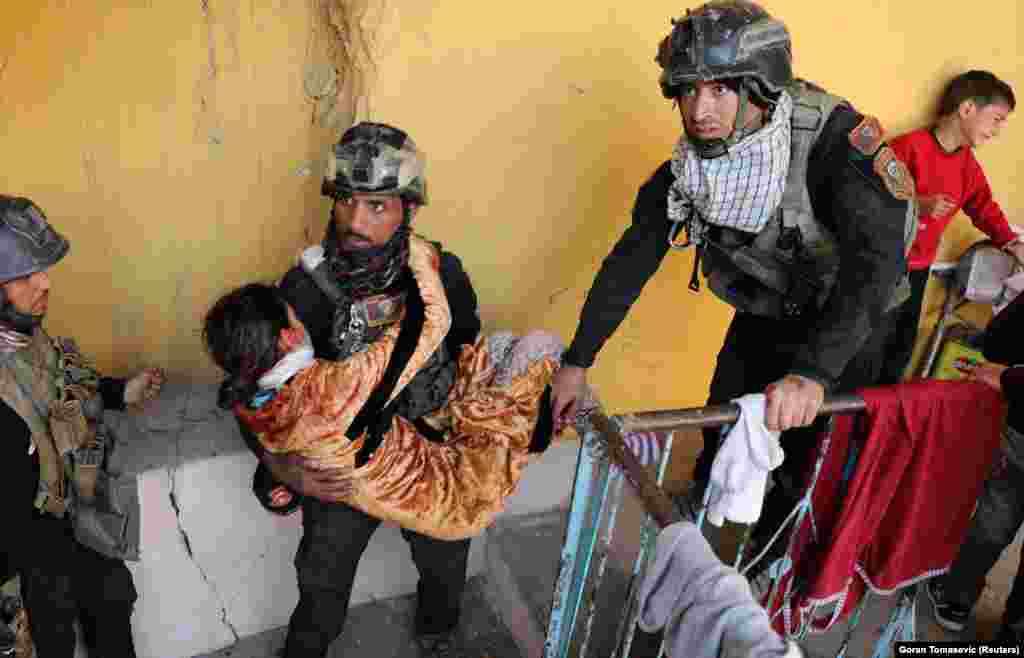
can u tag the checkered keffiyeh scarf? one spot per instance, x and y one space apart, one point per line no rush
741 189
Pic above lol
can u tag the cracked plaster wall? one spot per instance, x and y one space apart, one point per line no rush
170 140
215 566
173 143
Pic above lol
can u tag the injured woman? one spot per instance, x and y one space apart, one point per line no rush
447 475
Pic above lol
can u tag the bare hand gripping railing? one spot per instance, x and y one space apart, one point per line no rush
653 498
586 541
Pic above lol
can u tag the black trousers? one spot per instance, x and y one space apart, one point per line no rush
758 351
901 330
997 519
334 538
61 581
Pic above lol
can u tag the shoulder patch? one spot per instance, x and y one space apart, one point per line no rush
894 174
867 136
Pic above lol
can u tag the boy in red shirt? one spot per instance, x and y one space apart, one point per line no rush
974 107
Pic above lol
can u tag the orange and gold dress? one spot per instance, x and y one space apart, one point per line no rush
449 490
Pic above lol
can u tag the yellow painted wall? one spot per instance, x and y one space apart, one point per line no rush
540 119
167 140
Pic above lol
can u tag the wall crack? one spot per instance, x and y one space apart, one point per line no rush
172 472
208 122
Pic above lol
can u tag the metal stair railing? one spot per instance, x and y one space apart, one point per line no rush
597 489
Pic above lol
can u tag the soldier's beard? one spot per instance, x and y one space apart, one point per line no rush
368 271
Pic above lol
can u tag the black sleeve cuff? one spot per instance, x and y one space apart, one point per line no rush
572 357
263 486
112 390
816 375
1012 382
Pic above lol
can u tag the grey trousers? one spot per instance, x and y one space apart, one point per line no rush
996 521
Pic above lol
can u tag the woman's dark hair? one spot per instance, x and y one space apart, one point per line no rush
241 333
982 87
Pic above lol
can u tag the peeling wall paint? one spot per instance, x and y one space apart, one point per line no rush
172 144
176 145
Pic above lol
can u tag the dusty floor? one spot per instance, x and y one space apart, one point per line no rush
527 550
530 548
383 629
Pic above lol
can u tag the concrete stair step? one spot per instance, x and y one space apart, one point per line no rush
383 629
505 608
505 612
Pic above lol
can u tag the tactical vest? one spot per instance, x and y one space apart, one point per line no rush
49 386
791 266
359 323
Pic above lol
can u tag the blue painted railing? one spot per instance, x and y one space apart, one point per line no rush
602 466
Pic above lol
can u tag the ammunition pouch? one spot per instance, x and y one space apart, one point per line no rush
105 512
109 524
753 279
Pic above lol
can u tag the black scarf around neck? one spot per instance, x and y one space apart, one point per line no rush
364 272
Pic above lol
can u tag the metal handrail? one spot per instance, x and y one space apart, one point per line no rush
588 532
655 501
720 414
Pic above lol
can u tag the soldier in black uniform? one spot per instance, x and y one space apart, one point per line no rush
799 214
376 178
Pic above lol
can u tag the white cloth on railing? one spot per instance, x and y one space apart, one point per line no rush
705 607
739 474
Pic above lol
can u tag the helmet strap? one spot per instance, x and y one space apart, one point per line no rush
709 149
715 148
739 126
23 323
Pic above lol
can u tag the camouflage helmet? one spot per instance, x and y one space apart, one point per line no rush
379 159
726 39
28 244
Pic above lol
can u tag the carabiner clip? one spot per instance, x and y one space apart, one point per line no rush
673 235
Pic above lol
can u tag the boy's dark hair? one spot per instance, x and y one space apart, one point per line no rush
982 87
241 332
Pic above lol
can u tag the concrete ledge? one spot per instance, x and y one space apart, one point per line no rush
214 565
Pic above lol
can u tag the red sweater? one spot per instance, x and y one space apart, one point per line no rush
957 175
